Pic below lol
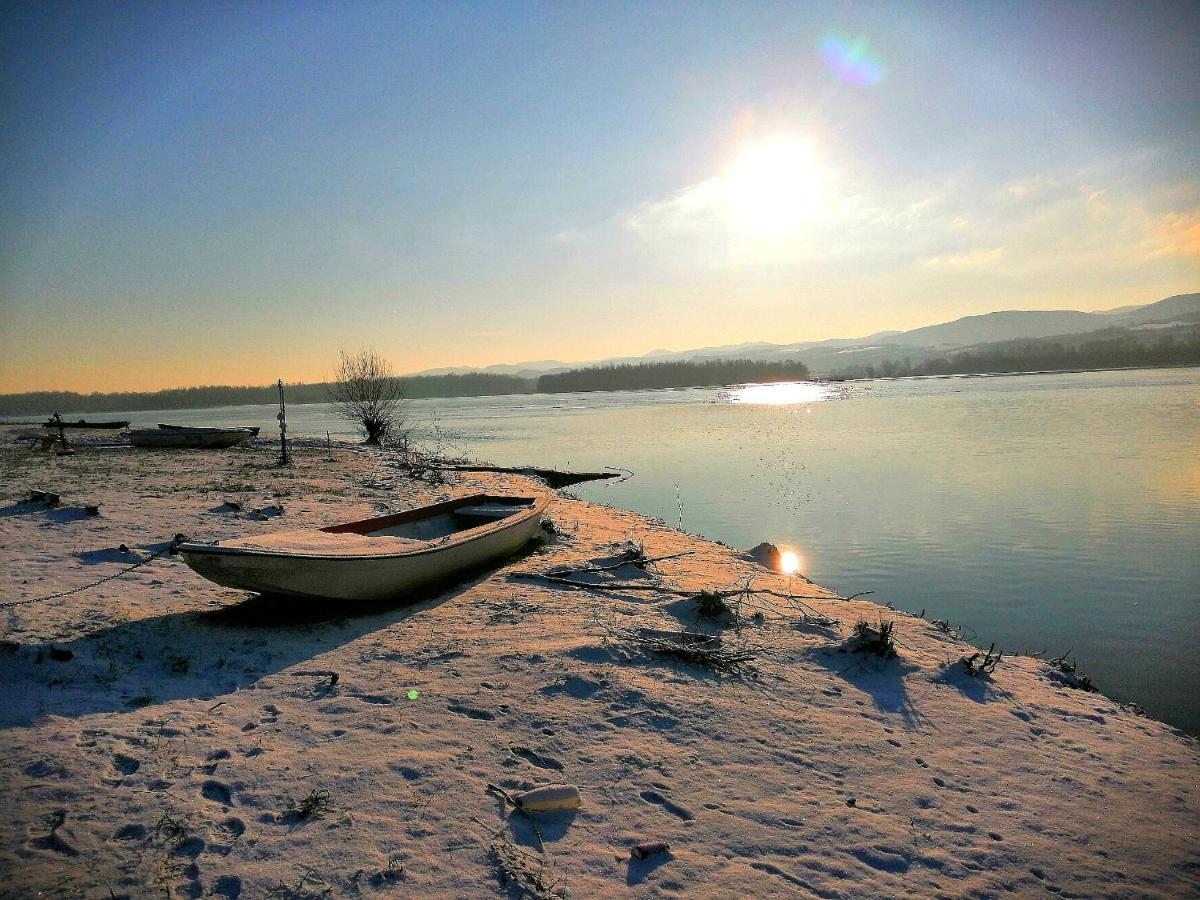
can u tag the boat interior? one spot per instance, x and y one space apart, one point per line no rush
384 535
442 524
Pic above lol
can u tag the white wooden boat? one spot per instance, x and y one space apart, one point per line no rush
190 438
374 559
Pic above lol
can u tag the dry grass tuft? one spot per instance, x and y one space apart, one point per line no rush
521 870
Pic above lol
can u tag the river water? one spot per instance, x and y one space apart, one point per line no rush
1044 512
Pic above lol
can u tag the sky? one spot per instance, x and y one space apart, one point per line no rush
231 193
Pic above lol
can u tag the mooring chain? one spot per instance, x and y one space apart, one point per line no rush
168 549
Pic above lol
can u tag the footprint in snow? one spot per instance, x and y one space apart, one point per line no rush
772 869
667 804
470 712
233 826
190 848
227 832
131 832
45 769
536 759
885 859
54 842
216 792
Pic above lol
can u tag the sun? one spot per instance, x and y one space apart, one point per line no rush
774 186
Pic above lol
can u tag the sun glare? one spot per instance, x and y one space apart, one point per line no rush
789 562
787 393
774 185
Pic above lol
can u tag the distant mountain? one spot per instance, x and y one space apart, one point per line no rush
917 343
529 369
1185 306
1000 326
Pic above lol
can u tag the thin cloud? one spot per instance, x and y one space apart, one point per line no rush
695 208
568 237
969 260
1045 222
1176 234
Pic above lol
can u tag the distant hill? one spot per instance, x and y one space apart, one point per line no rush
831 355
1019 324
1111 348
1185 305
1000 326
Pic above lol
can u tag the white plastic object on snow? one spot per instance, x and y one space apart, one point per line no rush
548 797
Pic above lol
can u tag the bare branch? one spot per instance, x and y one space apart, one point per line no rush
366 391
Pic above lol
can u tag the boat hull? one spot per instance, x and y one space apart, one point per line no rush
215 439
253 429
102 426
364 577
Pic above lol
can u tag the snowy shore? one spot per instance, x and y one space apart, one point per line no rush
160 734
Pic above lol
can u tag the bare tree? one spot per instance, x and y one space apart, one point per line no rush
367 392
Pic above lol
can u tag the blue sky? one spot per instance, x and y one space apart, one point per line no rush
230 193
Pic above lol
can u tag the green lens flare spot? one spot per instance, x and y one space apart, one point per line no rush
413 694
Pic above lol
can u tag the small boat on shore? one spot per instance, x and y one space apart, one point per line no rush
253 429
374 559
189 438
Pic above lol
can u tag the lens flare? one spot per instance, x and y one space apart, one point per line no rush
850 60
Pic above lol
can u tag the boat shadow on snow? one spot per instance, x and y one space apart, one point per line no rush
203 655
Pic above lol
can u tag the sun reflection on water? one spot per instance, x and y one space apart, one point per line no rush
783 394
789 562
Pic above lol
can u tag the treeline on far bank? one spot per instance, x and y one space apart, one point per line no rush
690 373
1042 355
38 403
471 384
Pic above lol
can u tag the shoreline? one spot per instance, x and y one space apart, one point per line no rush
7 419
818 771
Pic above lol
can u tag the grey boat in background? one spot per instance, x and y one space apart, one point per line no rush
184 437
253 429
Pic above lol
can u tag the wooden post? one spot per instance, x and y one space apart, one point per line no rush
284 457
62 433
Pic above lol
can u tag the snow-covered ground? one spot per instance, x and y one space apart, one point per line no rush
162 735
